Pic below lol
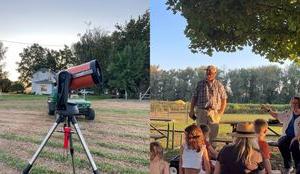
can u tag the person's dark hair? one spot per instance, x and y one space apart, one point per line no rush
194 137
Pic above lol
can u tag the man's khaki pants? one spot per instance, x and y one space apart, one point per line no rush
210 118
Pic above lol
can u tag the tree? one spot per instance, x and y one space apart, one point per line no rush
36 57
255 85
17 87
271 28
94 44
5 85
124 55
127 69
3 49
155 74
290 82
134 33
265 84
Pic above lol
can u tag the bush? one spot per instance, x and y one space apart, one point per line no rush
17 87
232 108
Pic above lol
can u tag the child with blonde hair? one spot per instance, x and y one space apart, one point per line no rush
157 164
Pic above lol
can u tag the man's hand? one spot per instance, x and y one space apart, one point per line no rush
265 108
220 112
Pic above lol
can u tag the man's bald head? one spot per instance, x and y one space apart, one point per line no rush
211 72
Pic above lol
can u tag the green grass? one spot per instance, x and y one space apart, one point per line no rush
82 163
126 135
121 123
112 155
123 147
22 97
20 164
97 97
78 148
131 112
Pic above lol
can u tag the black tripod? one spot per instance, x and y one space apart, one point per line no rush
65 110
71 120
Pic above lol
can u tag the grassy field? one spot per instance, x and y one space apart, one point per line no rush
118 138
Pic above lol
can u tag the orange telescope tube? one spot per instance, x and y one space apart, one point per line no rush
85 75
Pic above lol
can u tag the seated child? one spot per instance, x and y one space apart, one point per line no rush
261 128
212 153
193 152
157 164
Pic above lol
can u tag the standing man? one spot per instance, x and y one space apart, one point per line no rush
210 99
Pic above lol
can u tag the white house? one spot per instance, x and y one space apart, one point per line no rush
43 81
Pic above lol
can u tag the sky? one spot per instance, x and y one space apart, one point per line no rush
54 23
169 46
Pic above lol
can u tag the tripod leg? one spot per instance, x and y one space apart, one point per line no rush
85 147
71 146
34 157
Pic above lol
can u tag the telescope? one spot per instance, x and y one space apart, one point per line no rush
81 76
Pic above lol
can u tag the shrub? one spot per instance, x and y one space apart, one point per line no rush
232 108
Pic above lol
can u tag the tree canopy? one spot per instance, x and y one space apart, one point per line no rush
36 57
124 55
271 28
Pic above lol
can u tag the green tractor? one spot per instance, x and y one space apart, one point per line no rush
83 105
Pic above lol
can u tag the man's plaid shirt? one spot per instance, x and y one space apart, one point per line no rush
209 95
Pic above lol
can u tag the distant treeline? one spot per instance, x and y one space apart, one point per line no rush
265 84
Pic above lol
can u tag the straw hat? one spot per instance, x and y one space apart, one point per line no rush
245 129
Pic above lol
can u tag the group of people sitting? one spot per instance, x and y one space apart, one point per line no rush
249 152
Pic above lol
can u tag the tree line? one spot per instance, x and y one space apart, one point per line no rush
5 84
265 84
124 56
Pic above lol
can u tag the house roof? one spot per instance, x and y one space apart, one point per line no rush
43 70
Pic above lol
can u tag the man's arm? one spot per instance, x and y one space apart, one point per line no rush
223 106
223 99
193 102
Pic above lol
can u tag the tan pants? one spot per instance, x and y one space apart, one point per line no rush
210 118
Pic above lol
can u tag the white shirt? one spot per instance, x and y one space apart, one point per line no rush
285 118
191 158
